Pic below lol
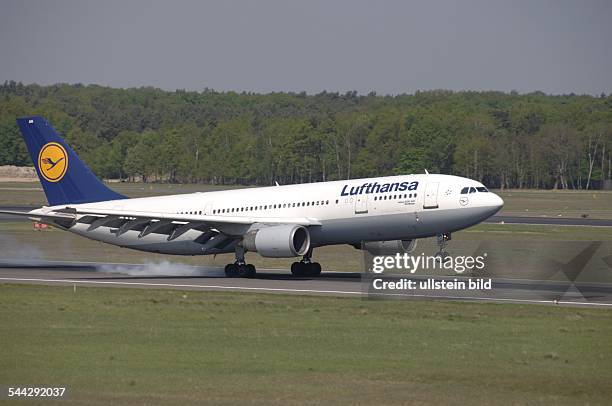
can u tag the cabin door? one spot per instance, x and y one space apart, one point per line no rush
431 196
361 204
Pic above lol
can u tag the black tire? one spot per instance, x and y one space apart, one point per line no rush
243 271
231 271
314 269
297 269
251 271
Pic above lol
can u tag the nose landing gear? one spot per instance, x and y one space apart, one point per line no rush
443 240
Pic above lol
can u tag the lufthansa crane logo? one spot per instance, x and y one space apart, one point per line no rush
53 162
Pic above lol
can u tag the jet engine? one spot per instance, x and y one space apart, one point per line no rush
389 247
282 241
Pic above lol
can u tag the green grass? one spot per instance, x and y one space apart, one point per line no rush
129 346
554 203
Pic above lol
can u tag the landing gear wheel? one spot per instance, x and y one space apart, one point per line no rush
315 269
243 272
305 269
297 269
237 270
231 270
250 270
240 268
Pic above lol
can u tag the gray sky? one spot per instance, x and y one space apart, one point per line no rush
390 47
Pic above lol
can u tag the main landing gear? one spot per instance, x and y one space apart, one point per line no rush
443 240
240 269
305 267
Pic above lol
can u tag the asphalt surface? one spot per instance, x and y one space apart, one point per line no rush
558 221
184 277
281 281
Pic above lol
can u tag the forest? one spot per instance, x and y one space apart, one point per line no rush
505 140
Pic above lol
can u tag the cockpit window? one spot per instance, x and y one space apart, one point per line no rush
466 190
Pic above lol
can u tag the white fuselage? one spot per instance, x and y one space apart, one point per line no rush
345 212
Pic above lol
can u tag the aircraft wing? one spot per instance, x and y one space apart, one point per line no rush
39 216
303 221
148 222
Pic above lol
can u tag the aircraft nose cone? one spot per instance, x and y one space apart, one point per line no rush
498 202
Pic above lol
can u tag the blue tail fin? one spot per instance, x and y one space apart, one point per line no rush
64 177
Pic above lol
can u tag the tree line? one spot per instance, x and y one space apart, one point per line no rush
506 140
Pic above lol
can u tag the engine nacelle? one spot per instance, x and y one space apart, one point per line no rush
389 247
282 241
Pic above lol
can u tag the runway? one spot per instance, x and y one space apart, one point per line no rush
556 221
166 275
349 284
345 284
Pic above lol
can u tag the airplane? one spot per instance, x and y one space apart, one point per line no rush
382 215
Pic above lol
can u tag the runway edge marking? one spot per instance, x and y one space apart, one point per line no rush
250 288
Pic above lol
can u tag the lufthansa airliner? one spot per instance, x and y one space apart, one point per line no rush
385 214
